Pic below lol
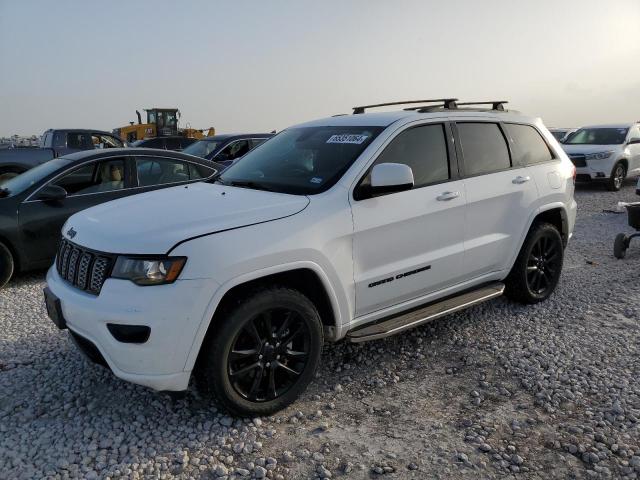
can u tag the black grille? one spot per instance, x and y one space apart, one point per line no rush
84 269
578 160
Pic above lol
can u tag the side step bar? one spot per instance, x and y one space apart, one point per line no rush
405 321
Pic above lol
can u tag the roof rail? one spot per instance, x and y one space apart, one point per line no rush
448 103
495 104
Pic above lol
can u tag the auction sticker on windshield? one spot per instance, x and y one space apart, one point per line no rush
347 138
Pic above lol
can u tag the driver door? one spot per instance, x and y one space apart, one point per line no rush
40 222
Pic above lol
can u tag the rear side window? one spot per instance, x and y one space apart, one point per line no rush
527 144
79 140
159 171
424 149
484 148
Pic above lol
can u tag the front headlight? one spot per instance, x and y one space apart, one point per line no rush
598 156
148 270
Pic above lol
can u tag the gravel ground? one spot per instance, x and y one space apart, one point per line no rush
498 390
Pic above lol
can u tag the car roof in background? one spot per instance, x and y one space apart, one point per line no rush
109 152
81 130
228 136
611 125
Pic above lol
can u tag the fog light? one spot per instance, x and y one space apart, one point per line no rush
129 333
600 174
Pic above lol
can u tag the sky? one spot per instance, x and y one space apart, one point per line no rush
243 65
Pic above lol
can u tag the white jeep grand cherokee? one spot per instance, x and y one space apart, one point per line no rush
351 227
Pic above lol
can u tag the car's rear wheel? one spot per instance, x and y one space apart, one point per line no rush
537 269
6 265
618 174
263 352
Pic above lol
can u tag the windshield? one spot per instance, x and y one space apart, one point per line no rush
558 134
301 160
201 148
19 184
598 136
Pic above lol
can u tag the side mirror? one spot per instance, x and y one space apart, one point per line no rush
633 141
391 177
52 193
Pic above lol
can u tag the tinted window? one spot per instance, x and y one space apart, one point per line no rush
80 141
60 140
199 171
256 141
304 160
172 144
484 148
201 148
598 136
528 146
19 184
424 149
234 150
95 177
160 171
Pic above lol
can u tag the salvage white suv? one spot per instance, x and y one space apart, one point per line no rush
607 153
352 227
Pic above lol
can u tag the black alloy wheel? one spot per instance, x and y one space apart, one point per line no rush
262 350
269 354
536 271
544 263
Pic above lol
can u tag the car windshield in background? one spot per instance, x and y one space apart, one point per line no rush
201 148
598 136
559 134
19 184
301 161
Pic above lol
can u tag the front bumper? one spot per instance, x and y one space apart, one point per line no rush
595 170
173 313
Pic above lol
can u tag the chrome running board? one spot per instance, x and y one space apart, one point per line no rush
405 321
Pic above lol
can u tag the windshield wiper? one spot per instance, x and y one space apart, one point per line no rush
246 184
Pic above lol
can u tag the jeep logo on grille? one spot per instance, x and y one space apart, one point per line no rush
71 233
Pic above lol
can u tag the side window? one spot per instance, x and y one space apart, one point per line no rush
79 140
59 140
46 138
96 177
105 141
254 142
527 144
234 150
484 148
422 148
160 171
197 172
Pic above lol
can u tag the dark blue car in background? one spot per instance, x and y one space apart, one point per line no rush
225 149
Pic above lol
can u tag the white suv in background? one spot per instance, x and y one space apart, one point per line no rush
352 227
607 153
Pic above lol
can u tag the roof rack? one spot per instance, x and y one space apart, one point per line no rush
495 104
448 103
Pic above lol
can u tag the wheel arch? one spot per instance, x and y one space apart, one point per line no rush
306 277
17 260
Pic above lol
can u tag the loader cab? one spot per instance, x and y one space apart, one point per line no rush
165 120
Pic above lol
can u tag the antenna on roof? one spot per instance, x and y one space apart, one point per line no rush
448 102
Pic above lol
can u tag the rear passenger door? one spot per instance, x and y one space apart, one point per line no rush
408 244
500 197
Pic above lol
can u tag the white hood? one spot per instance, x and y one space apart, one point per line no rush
586 149
153 222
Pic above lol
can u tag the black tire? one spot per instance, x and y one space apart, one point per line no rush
536 271
6 265
618 175
264 375
620 246
8 173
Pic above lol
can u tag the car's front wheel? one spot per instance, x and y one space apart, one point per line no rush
263 352
537 269
618 174
6 265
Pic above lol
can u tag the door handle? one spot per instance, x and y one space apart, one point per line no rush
446 196
519 179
